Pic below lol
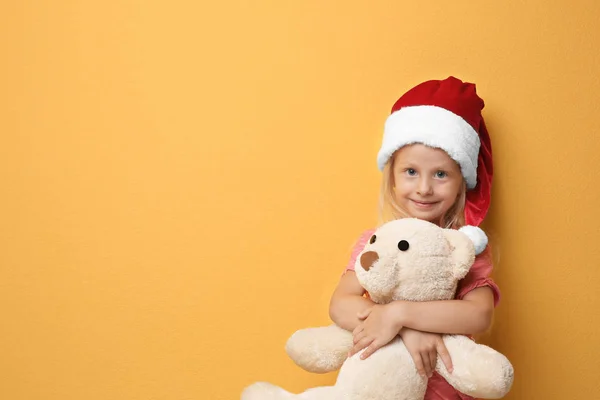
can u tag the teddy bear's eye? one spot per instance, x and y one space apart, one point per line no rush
373 239
403 245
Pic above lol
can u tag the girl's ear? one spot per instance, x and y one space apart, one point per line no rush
463 252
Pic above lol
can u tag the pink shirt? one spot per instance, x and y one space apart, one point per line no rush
478 276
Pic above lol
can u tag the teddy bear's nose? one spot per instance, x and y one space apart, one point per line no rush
368 259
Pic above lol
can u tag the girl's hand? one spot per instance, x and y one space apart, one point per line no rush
380 325
424 348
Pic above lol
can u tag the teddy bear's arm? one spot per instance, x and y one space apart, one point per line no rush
319 350
479 370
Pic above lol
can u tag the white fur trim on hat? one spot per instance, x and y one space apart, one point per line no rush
435 127
477 236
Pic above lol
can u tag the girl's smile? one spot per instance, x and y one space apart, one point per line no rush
423 204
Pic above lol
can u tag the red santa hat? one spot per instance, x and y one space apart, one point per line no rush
446 114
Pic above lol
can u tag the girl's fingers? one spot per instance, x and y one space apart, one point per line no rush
358 329
364 342
444 355
373 347
426 364
418 363
433 361
359 336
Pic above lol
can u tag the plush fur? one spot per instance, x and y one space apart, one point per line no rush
428 270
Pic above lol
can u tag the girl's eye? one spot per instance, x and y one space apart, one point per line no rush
440 174
411 172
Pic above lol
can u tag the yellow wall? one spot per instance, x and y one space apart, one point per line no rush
182 181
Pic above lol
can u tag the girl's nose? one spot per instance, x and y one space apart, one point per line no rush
424 187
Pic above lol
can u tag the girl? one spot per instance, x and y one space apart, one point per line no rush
436 160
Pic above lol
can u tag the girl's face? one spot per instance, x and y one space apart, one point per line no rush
427 181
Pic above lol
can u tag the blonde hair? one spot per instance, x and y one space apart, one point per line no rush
389 209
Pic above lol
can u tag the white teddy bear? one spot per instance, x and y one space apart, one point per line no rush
406 259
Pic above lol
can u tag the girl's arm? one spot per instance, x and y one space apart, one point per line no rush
380 323
471 315
347 302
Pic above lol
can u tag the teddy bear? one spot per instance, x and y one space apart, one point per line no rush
405 259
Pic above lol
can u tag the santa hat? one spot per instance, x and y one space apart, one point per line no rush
446 115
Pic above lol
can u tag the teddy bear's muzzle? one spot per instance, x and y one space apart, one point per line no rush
368 259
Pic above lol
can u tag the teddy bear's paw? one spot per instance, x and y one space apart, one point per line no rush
479 370
265 391
319 350
500 377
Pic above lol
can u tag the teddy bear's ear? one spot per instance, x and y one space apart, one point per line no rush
477 236
463 252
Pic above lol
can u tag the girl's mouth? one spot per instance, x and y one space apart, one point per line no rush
424 204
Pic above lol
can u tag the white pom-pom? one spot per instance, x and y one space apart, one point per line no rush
477 236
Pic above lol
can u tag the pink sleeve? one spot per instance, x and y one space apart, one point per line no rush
479 275
358 247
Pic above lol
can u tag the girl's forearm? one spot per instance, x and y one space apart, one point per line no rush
343 310
447 316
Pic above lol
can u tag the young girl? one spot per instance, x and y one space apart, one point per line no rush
436 160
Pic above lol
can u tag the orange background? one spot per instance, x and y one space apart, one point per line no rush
182 182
